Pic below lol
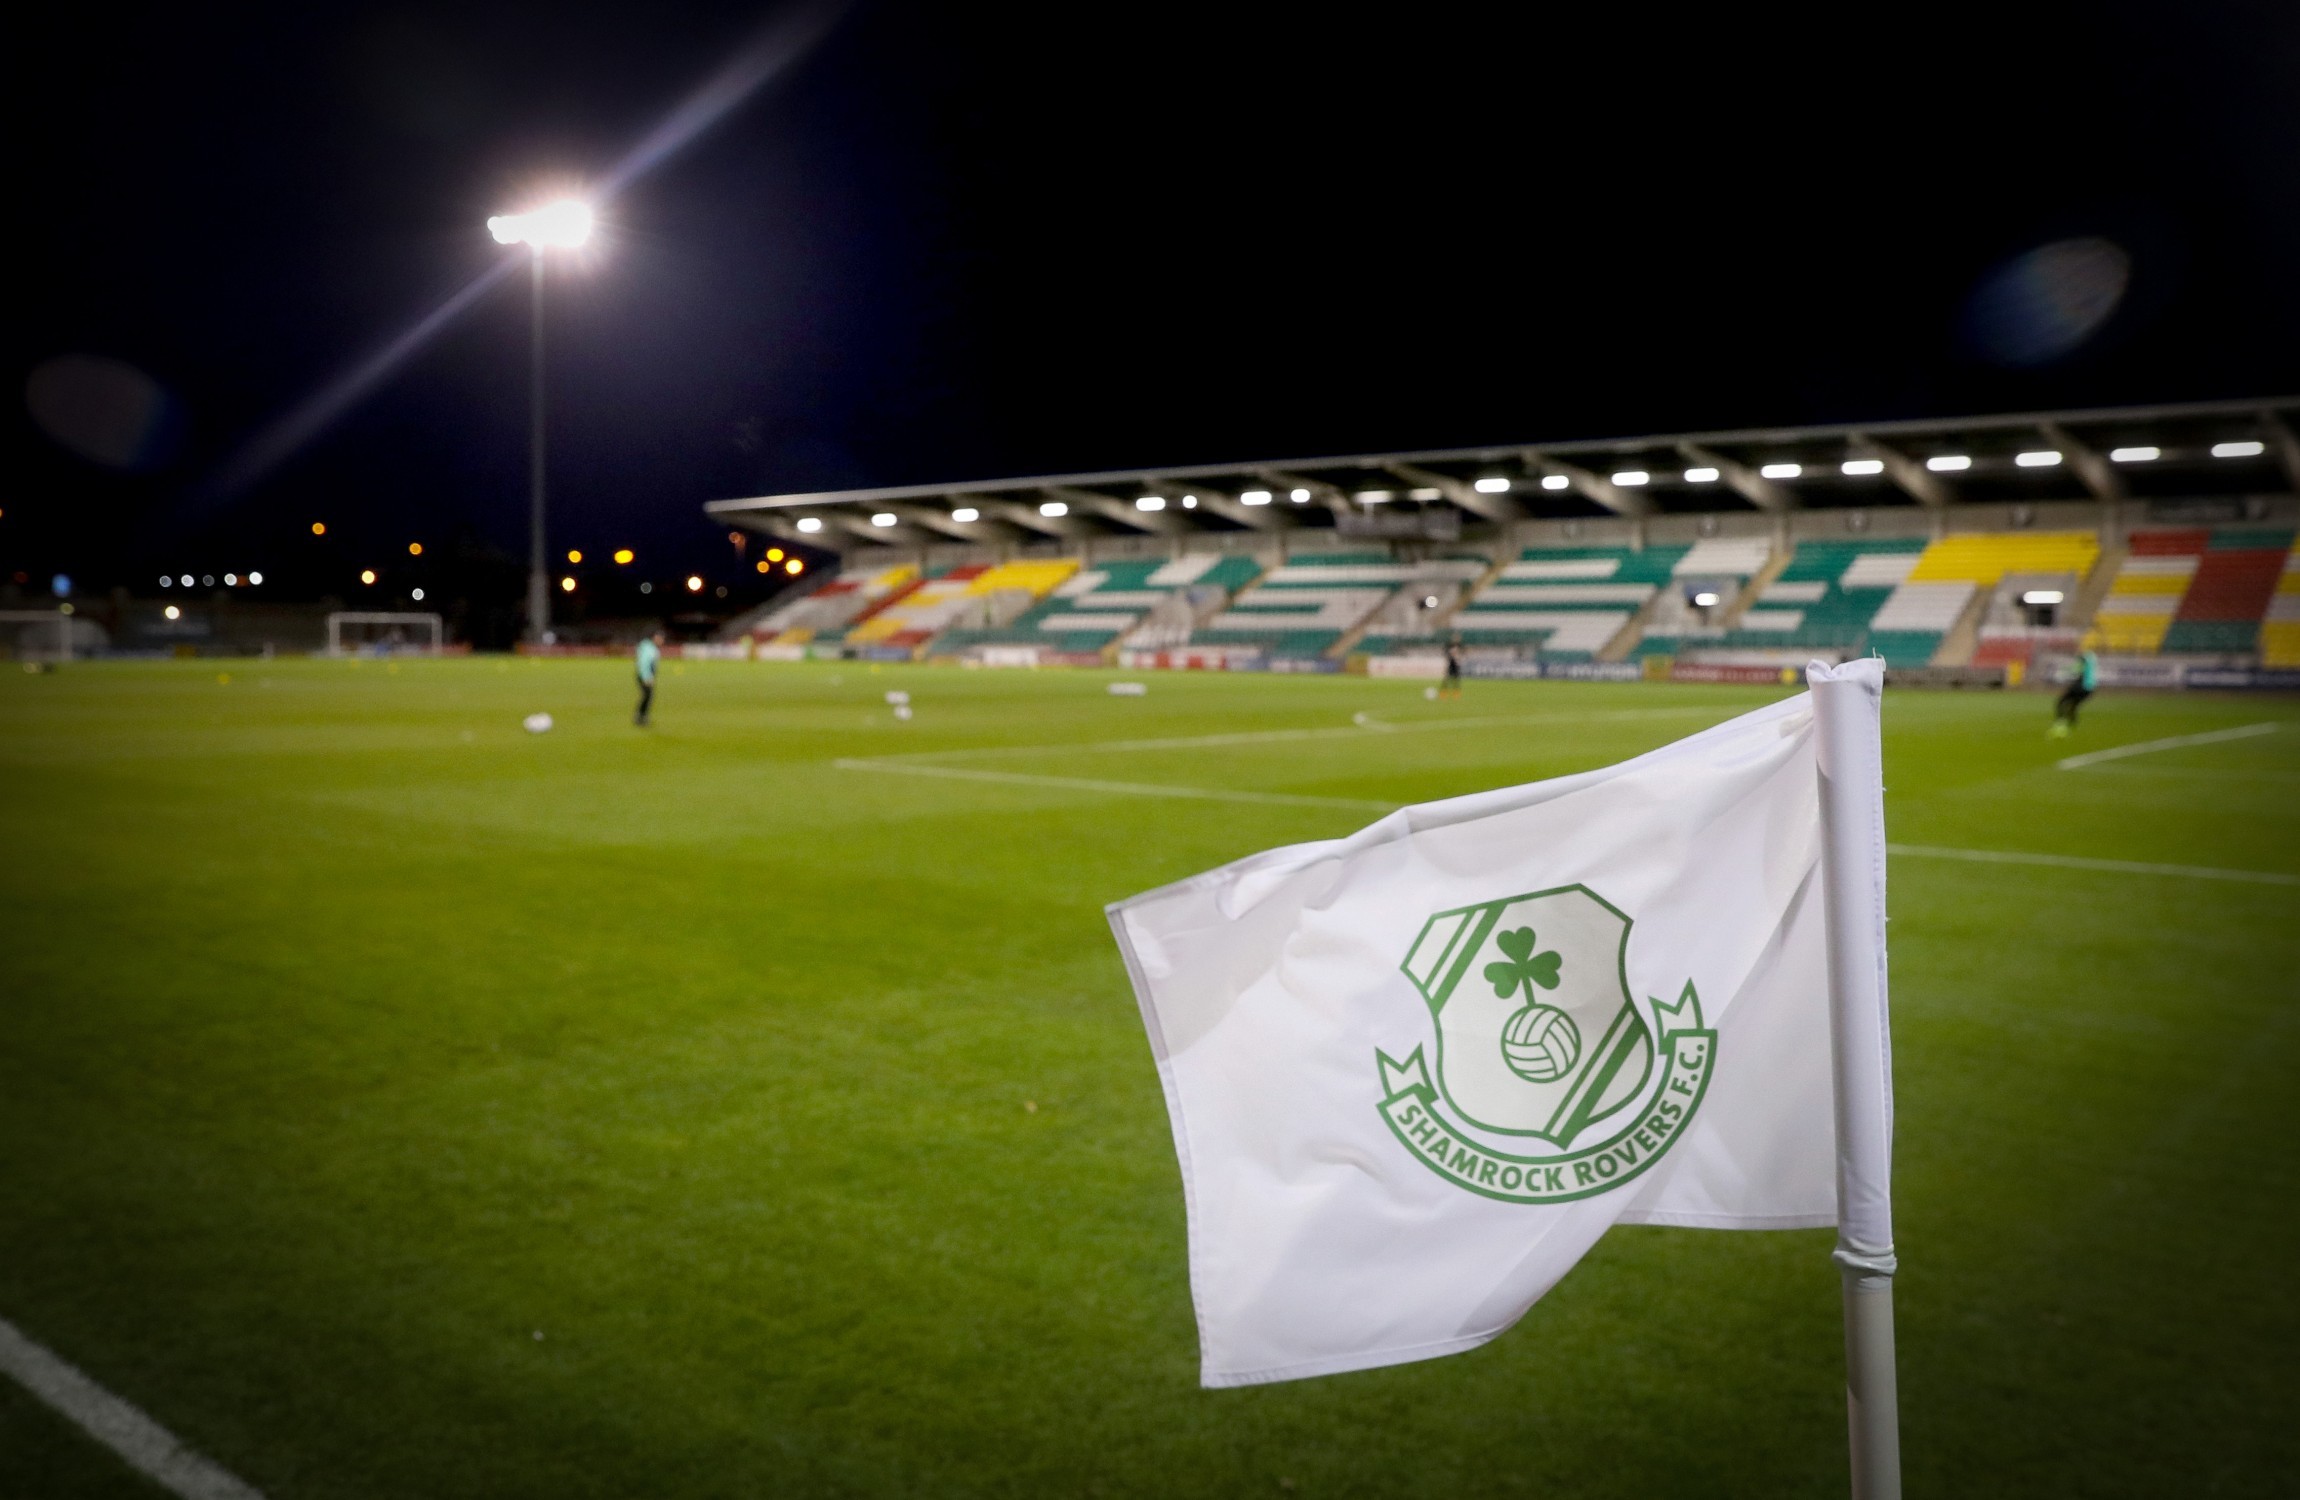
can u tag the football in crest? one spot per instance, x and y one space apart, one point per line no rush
1540 1044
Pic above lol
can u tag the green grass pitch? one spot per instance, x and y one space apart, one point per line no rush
395 1103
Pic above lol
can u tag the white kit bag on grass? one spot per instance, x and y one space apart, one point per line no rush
1415 1073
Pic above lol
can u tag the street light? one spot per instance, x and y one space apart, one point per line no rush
555 226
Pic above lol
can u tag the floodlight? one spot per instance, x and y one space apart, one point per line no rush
765 567
1300 497
166 582
573 557
1701 476
1704 600
1254 497
2238 450
561 225
694 584
255 578
366 575
2145 454
966 513
794 567
884 518
623 556
566 585
1375 497
415 549
1862 466
1555 482
1949 463
810 523
1052 508
1632 477
172 612
319 528
1150 502
1429 601
231 579
1782 471
1425 493
416 595
2037 458
207 582
2041 596
1189 502
1492 485
186 580
774 554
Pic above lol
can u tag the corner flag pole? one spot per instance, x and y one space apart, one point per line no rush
1846 709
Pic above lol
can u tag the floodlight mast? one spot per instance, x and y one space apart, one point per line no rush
562 225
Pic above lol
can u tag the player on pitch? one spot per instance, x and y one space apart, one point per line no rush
649 656
2080 687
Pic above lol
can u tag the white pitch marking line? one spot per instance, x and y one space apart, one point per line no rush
2150 747
2106 866
1124 788
142 1442
1282 736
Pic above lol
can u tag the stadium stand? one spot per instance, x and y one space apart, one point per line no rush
990 594
1907 629
2280 633
1105 600
1417 616
827 612
1566 603
1722 568
2230 593
1303 607
2146 593
1827 595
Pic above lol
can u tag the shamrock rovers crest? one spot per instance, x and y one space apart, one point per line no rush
1552 1081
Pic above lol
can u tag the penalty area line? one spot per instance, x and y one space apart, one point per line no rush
2151 747
1121 788
142 1443
2104 866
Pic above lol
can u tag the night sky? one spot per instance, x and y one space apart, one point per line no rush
971 241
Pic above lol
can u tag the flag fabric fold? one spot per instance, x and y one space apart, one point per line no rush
1415 1073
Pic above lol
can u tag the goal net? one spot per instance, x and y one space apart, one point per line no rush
384 633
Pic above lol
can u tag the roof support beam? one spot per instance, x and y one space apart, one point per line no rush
1591 486
1028 518
1322 491
933 519
1916 481
855 522
1489 507
1254 517
2098 474
2284 445
1111 508
1750 485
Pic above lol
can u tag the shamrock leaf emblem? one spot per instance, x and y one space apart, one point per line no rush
1525 969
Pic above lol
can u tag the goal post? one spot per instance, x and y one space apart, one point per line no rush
384 632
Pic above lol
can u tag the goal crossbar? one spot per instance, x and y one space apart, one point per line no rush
425 621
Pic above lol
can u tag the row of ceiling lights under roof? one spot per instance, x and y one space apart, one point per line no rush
1857 468
1495 484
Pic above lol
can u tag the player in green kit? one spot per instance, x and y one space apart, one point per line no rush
2080 687
649 656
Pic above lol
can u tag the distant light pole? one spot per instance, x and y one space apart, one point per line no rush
562 225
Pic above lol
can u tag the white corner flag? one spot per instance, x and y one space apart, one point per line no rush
1415 1073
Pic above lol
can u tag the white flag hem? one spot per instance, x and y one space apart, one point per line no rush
1662 1220
1344 1364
